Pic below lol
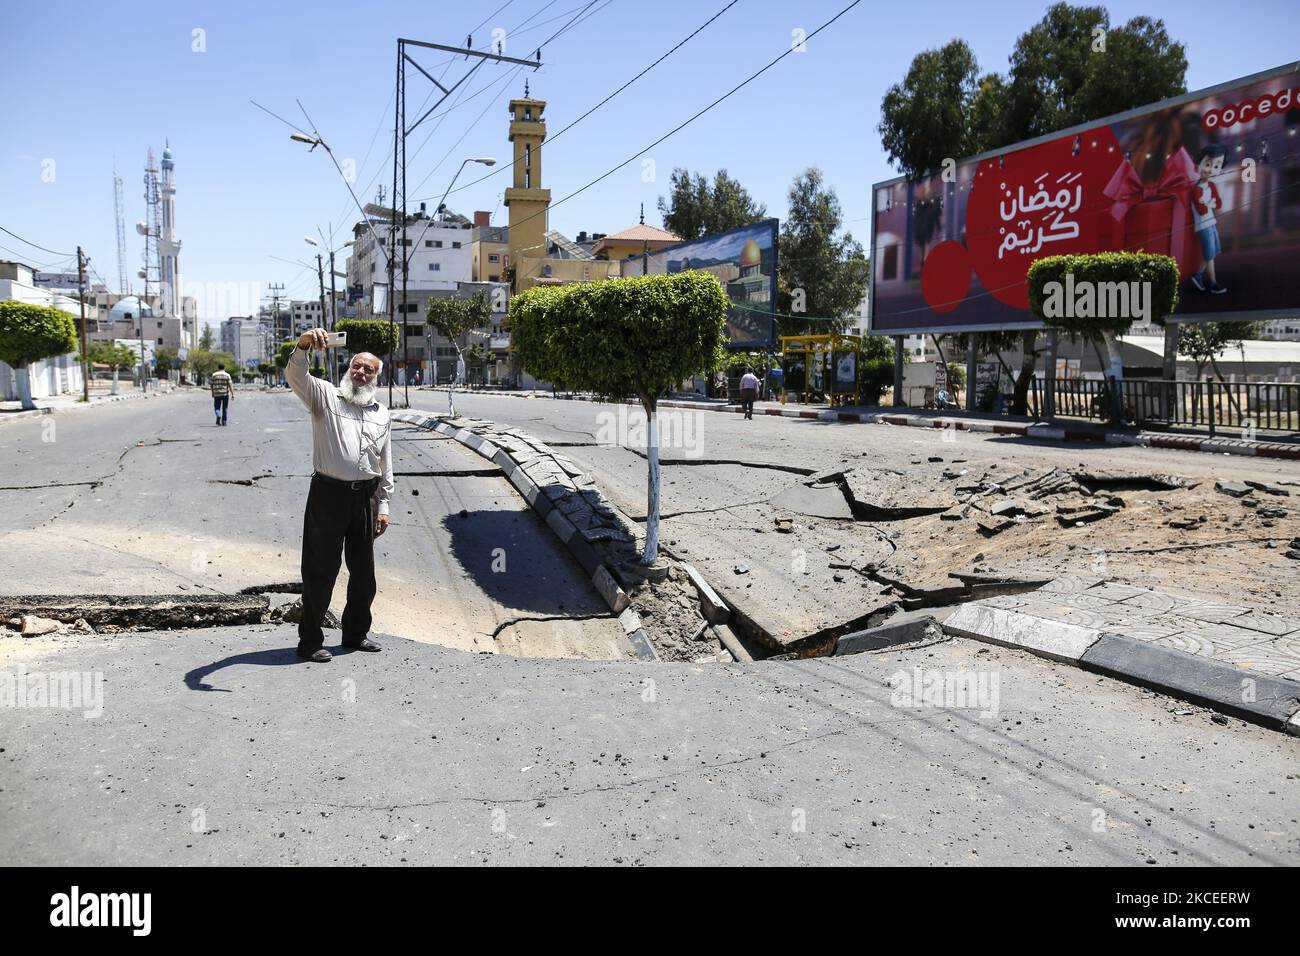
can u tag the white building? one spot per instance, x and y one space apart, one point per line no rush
247 339
60 375
440 257
1286 330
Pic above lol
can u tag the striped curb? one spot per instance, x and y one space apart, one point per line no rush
1217 446
538 498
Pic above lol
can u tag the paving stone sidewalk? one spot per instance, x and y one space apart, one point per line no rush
1224 654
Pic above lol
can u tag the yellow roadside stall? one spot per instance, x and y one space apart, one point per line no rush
818 368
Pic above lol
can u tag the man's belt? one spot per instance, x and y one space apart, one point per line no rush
364 484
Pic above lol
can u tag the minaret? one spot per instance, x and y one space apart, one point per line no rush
527 200
169 246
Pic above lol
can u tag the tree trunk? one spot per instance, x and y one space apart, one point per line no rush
24 387
1116 376
114 389
652 491
1028 359
1232 398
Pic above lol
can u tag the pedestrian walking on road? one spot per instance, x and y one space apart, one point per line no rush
748 391
223 390
347 506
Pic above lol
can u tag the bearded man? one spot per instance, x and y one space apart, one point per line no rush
347 507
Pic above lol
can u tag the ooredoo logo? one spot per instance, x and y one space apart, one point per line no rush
1248 110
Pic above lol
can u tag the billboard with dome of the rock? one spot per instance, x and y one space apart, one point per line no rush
744 262
1210 178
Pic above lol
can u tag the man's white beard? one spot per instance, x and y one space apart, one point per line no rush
357 396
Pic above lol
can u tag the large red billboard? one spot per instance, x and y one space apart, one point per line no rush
1211 178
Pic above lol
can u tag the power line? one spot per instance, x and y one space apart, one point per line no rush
739 86
554 136
68 255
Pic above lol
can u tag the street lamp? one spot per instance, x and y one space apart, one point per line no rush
485 161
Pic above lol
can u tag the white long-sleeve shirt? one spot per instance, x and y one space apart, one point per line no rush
348 442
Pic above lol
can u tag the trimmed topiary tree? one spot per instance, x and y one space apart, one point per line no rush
1097 297
621 337
29 333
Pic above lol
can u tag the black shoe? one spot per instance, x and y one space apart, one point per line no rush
1198 282
1217 289
365 644
318 656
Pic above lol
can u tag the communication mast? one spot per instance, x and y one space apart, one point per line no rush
123 283
151 227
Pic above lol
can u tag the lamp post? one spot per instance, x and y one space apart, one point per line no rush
333 310
437 210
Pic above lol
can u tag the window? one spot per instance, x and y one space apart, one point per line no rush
455 245
372 268
415 331
494 258
437 243
383 241
428 243
406 242
494 278
435 266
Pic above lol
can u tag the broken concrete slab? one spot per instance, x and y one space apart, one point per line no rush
878 495
826 501
34 626
132 611
1236 489
910 631
1053 639
714 609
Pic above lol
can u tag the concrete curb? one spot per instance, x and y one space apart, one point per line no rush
601 576
1216 446
78 407
1271 702
1268 701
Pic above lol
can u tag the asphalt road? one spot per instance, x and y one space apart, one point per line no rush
151 497
218 746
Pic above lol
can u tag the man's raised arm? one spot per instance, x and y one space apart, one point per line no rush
310 390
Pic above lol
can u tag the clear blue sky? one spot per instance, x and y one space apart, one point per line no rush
87 82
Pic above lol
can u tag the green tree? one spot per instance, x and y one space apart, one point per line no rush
266 370
926 118
205 339
1049 283
819 273
29 333
693 208
163 360
638 336
1072 67
375 336
205 362
116 356
1205 342
454 317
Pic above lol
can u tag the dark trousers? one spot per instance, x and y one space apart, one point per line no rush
220 403
339 519
747 396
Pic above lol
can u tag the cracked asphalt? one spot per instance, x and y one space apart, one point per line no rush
218 746
153 498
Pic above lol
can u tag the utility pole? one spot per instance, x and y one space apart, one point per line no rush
81 289
401 131
275 293
334 318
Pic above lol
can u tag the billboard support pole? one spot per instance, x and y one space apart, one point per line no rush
1049 377
898 371
970 372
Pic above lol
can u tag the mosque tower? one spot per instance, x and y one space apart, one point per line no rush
169 246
